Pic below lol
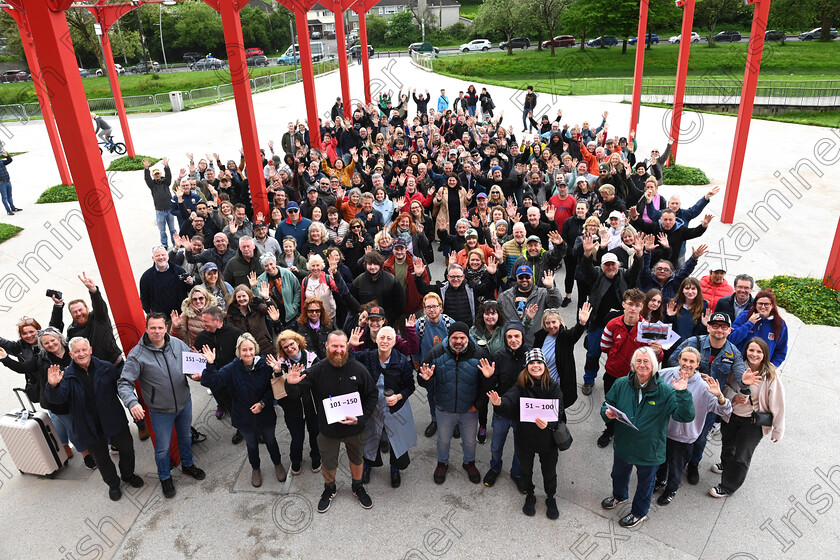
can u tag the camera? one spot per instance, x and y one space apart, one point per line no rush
54 293
183 277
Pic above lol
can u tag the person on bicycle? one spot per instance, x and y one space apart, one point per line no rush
103 129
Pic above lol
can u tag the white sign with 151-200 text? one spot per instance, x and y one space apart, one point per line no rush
340 407
193 362
531 409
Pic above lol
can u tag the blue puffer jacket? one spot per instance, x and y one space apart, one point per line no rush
246 388
457 379
743 331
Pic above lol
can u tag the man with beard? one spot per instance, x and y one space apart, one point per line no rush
264 243
515 301
219 254
334 379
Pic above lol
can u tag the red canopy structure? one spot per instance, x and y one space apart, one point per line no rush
682 72
362 7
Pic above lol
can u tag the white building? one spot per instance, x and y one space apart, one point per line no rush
444 12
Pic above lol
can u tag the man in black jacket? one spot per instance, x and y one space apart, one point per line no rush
89 386
219 254
336 381
164 285
677 232
740 300
374 284
161 196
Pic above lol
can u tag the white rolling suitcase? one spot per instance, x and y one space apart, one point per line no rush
31 440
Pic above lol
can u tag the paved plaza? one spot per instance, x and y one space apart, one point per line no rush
787 214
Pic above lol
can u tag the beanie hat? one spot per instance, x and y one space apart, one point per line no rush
459 326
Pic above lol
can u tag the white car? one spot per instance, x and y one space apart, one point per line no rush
477 45
675 40
119 68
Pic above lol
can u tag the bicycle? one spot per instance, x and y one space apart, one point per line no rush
112 146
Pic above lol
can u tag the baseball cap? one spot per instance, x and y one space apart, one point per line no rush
616 214
260 223
525 269
720 318
604 167
311 189
453 151
208 267
400 242
533 238
481 195
609 258
291 205
155 171
376 312
471 233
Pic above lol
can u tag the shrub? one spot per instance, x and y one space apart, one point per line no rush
58 193
684 175
806 298
126 163
7 231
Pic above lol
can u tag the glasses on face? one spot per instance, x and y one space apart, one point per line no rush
435 306
318 311
198 298
523 277
456 276
662 269
718 326
763 304
356 227
289 346
292 210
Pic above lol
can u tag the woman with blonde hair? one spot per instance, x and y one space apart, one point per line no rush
317 241
188 324
248 381
557 343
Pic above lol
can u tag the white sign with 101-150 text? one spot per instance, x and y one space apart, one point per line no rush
340 407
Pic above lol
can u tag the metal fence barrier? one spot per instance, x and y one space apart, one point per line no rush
815 93
424 61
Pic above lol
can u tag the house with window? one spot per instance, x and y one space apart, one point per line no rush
444 12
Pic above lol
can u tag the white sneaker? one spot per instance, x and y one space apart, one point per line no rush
715 428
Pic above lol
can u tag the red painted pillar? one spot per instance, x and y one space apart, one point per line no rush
115 88
341 46
241 82
832 271
682 72
745 110
641 42
308 78
43 97
365 62
64 84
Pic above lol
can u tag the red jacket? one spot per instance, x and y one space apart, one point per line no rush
619 344
426 201
713 292
413 298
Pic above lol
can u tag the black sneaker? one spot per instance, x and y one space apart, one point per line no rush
115 493
440 473
237 438
692 473
396 480
295 468
457 433
529 509
362 495
718 492
717 468
326 497
566 301
482 434
472 472
659 485
665 498
520 484
612 502
587 388
551 508
384 446
89 462
431 429
193 472
604 439
629 521
168 487
135 481
316 465
490 478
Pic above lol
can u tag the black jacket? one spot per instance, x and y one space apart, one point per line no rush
223 341
620 283
98 330
246 388
399 373
528 432
385 290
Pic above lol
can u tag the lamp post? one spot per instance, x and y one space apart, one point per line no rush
160 27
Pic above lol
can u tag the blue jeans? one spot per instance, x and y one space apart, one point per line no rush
467 422
162 424
165 219
430 395
63 424
6 195
525 124
252 442
501 425
593 355
471 110
700 443
645 479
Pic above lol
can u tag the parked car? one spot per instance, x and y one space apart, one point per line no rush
675 40
15 76
651 39
516 43
291 56
84 73
774 35
145 67
815 34
120 70
191 57
605 40
208 64
476 45
560 41
257 60
728 37
356 49
418 47
315 35
254 51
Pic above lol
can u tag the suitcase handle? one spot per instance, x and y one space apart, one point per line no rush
18 391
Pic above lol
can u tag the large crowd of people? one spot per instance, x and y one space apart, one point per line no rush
327 307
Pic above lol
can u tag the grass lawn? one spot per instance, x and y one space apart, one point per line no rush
58 193
469 8
830 119
806 298
7 231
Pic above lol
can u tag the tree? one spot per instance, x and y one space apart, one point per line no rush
255 30
708 12
549 12
84 37
828 11
401 28
501 16
278 29
198 27
377 27
581 19
662 13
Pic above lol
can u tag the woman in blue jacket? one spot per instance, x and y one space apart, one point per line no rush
248 381
762 320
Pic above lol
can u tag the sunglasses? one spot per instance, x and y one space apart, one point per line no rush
356 227
25 321
292 211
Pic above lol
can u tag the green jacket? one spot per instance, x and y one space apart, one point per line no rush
659 404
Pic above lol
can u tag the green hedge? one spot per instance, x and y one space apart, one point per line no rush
684 175
126 163
7 231
806 298
58 193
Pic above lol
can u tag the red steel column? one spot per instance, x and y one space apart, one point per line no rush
832 271
745 110
640 66
115 88
41 92
341 46
241 82
64 84
308 78
364 44
682 72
